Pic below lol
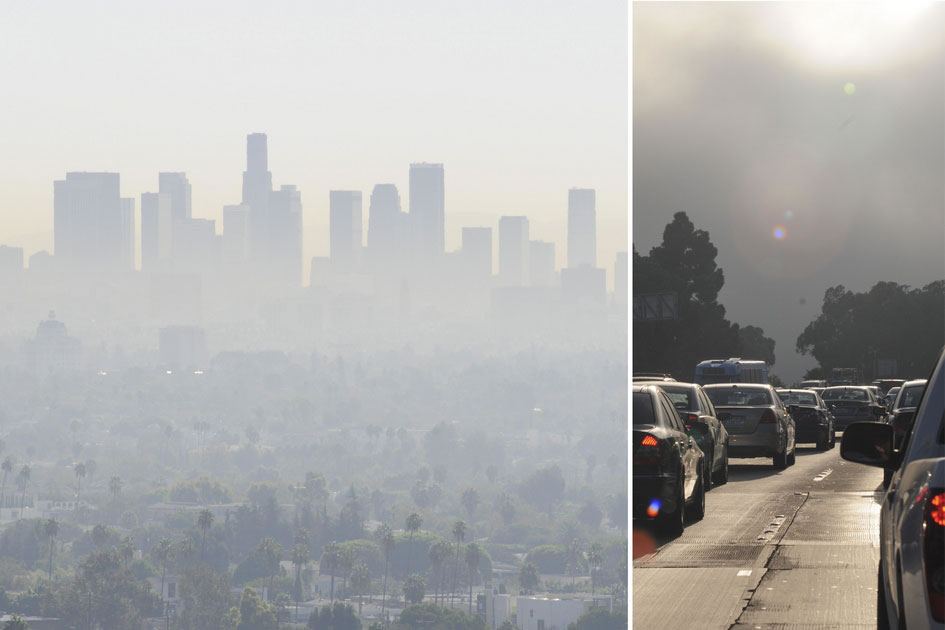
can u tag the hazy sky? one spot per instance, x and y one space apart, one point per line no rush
520 101
826 120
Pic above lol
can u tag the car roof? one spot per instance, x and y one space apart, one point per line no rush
742 385
918 381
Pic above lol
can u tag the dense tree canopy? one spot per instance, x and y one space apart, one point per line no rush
684 264
890 321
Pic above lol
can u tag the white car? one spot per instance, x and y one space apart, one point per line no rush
911 585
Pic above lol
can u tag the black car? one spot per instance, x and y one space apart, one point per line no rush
813 421
667 463
698 415
852 403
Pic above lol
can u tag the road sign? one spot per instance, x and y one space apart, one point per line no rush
655 306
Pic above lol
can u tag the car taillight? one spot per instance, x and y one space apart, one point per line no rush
768 417
649 441
933 543
691 419
648 453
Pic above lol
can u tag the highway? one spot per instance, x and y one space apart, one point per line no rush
796 548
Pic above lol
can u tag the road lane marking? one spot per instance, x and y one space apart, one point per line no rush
823 475
744 573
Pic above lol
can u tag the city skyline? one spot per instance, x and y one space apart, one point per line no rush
482 117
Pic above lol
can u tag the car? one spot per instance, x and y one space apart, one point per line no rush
880 397
911 575
887 384
852 403
812 383
903 409
668 482
757 422
814 422
891 397
651 376
703 424
819 390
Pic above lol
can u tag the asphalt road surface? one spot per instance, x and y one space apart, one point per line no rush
796 548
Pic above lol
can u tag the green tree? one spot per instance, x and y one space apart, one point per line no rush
338 616
360 582
51 530
439 553
271 553
114 485
15 623
385 538
206 597
162 553
528 577
414 588
300 558
472 556
204 522
574 558
255 614
23 481
459 534
105 594
543 488
470 500
600 619
79 470
595 558
331 556
100 534
412 525
7 467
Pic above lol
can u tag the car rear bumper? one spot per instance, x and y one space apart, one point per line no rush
764 442
647 487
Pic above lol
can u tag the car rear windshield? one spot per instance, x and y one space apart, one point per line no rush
845 394
738 397
642 409
680 396
910 396
797 398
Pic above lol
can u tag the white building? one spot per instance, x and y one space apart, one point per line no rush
539 613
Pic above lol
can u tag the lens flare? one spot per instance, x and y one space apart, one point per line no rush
849 89
779 232
654 508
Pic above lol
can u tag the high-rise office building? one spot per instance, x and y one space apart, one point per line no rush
127 233
176 186
513 251
385 237
427 204
285 235
88 221
345 229
156 225
11 260
541 264
582 228
235 235
257 186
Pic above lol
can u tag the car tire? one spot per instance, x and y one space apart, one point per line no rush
721 477
833 438
824 444
882 611
887 477
696 511
780 459
792 457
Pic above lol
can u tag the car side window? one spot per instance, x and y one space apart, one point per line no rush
707 405
671 414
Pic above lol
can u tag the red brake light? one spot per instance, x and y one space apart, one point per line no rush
768 417
937 509
649 441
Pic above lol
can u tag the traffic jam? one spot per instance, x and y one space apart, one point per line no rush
746 514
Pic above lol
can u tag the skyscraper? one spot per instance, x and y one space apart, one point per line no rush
345 229
156 220
621 284
127 233
176 186
257 186
477 253
582 228
235 235
427 203
88 221
385 237
513 251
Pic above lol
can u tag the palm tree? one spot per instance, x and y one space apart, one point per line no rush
7 468
528 577
470 500
574 558
272 556
459 533
204 521
439 552
595 557
472 557
413 526
126 550
23 480
99 535
115 484
162 553
386 539
91 466
51 529
329 561
360 582
345 563
79 470
300 557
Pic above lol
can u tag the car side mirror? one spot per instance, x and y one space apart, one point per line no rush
869 443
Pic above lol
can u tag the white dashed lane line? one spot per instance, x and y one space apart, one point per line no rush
823 475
